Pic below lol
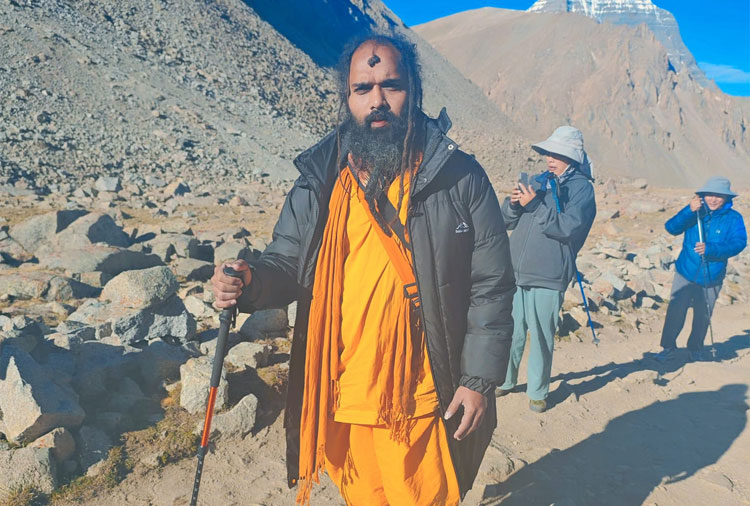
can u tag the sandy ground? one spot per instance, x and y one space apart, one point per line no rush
622 430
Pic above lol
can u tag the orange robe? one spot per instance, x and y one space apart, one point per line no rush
361 457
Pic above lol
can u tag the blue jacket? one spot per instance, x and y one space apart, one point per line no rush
724 235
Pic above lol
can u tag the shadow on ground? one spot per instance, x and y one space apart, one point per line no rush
664 442
601 375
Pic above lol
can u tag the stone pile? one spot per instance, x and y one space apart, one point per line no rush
124 326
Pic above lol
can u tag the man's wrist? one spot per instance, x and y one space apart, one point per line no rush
477 384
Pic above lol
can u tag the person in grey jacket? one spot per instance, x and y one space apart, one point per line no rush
550 219
460 253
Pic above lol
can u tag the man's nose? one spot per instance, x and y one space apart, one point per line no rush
377 99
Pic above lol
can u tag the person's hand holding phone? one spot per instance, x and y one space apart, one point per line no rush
516 194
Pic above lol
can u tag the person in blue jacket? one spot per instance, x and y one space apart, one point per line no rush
702 265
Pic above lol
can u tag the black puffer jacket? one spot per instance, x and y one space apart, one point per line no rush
463 271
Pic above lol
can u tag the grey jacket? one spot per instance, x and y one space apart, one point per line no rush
545 242
462 267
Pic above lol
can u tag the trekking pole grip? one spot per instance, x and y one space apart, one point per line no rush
226 318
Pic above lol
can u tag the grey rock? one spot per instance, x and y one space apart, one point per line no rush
31 403
41 230
195 376
62 289
168 320
28 465
22 332
617 282
92 228
235 423
96 278
98 364
160 363
248 355
197 307
141 289
266 323
192 269
176 188
60 441
167 246
37 285
126 396
108 184
110 260
25 285
230 251
93 447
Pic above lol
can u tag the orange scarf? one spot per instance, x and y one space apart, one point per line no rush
403 354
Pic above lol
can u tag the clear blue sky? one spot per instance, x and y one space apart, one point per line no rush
717 32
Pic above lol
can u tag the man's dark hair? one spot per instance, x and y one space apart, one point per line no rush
411 149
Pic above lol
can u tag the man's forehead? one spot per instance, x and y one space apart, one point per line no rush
372 55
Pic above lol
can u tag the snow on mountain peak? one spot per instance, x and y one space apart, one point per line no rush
595 8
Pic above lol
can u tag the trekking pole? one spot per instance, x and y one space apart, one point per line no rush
579 278
227 319
706 273
595 339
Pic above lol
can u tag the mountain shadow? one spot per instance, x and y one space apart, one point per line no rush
664 442
321 29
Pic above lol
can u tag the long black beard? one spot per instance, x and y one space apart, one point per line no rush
377 152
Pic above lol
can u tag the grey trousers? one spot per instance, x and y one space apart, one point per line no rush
686 294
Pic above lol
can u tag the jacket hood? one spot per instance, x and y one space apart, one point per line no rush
318 163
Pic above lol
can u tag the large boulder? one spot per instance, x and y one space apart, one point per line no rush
92 229
141 289
168 320
41 230
32 404
26 466
195 376
111 260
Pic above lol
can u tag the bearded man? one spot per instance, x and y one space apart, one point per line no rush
393 244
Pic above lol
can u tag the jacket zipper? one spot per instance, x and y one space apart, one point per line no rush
442 324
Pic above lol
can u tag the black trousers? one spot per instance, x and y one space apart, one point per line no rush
686 294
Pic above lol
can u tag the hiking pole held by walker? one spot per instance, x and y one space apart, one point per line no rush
579 278
227 318
595 339
706 273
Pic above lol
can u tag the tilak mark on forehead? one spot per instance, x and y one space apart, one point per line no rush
373 60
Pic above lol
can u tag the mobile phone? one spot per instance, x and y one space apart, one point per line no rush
523 177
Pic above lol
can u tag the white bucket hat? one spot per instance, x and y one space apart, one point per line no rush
719 186
568 142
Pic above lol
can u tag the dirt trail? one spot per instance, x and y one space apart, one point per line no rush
622 430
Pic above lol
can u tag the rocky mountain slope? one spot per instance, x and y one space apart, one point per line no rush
633 13
616 83
176 88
